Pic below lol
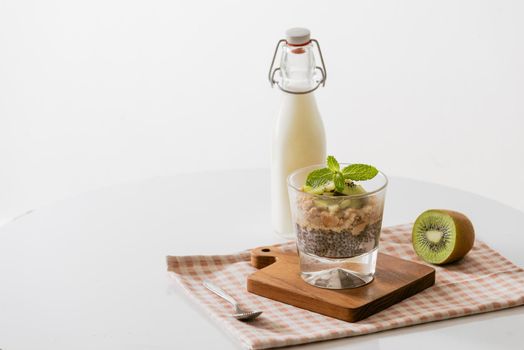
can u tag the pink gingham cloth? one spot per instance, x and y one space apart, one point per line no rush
481 282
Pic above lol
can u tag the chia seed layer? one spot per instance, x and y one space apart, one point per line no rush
337 244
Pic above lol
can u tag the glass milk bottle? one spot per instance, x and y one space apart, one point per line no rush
298 135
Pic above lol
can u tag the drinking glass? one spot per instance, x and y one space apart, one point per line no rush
337 235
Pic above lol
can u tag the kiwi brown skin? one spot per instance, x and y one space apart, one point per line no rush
465 235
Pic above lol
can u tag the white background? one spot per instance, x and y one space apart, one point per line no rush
96 93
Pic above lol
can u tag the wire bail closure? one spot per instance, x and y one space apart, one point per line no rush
322 70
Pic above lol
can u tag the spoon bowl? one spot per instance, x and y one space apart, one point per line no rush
240 314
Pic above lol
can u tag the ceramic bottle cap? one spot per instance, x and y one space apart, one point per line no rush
298 36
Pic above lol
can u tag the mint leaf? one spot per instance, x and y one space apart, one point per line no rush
333 164
339 181
319 177
359 172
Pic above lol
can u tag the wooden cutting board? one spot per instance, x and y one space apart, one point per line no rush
278 278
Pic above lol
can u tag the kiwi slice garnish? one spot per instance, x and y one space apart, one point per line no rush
442 236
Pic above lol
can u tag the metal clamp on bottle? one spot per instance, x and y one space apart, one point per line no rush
297 41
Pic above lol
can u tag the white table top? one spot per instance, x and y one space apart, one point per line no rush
89 272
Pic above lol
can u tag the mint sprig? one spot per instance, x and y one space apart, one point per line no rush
318 178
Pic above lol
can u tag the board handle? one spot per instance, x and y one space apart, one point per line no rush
267 255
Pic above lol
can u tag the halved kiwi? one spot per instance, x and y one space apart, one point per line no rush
442 236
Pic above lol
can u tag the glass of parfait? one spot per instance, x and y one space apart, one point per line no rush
337 230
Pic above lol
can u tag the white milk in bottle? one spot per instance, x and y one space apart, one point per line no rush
298 135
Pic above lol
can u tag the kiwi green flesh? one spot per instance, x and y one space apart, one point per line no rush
353 189
313 190
434 236
327 191
350 189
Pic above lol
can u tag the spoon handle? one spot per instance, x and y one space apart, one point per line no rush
218 291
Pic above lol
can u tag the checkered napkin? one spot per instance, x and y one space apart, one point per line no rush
481 282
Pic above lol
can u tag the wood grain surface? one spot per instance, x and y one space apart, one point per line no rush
279 279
